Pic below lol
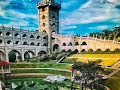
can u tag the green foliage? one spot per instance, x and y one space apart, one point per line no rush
108 34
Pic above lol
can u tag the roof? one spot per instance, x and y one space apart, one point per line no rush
4 63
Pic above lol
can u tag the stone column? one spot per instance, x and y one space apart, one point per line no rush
22 54
6 54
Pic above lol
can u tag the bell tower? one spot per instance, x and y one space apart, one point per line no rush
48 19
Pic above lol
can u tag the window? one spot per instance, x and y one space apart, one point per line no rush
53 17
43 17
53 24
44 31
43 9
43 25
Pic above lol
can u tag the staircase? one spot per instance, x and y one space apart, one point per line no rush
114 65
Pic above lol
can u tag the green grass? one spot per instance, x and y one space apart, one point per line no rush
114 82
45 65
55 72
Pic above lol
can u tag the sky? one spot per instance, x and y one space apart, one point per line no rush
76 16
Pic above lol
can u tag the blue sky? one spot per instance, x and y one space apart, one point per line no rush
76 16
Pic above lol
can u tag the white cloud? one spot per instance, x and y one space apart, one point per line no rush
67 4
92 11
102 27
17 24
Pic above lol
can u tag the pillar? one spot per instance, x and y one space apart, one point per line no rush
23 54
6 54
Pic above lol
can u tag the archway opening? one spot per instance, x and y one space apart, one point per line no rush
41 53
64 44
2 56
31 36
83 50
69 51
84 43
14 55
1 41
107 50
90 50
55 47
76 43
75 51
63 51
98 50
70 44
28 55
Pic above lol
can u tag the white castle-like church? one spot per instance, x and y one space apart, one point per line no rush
47 39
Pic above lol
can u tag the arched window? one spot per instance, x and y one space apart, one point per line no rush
53 17
38 44
70 44
8 33
32 43
38 37
44 38
44 44
53 31
24 35
53 24
76 43
25 43
44 31
31 36
43 9
16 34
16 42
8 42
84 43
43 24
0 33
1 41
43 17
64 44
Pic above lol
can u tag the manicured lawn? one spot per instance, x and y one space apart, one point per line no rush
107 59
114 82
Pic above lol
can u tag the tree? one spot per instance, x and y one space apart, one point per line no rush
89 73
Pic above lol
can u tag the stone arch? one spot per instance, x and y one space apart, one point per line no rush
76 51
1 41
44 44
90 50
29 54
98 50
64 44
83 50
44 37
14 55
53 31
44 31
43 24
38 44
69 50
55 47
63 50
1 33
76 43
25 43
17 42
43 17
32 43
117 50
31 36
38 37
107 50
2 55
16 35
70 44
84 43
9 41
8 34
40 53
24 35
